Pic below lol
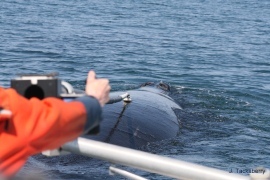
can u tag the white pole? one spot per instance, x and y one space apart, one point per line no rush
147 162
114 170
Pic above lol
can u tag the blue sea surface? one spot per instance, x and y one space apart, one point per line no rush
215 55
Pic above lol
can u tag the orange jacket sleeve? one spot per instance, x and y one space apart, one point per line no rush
36 125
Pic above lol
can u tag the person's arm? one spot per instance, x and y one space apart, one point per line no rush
34 125
37 125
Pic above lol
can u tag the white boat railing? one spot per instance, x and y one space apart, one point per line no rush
114 170
150 162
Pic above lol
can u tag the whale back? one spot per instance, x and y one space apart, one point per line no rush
149 117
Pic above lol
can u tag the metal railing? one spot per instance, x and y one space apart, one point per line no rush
149 162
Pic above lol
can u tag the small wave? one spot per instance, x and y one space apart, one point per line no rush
262 71
35 52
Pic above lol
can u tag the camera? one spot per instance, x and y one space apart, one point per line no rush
36 85
44 85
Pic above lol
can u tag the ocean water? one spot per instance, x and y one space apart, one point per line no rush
215 55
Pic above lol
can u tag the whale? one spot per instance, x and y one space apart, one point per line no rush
148 117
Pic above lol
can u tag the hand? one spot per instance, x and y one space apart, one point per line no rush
98 88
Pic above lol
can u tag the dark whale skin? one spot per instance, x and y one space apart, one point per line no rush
149 117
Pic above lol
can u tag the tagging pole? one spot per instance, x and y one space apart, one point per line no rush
146 161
